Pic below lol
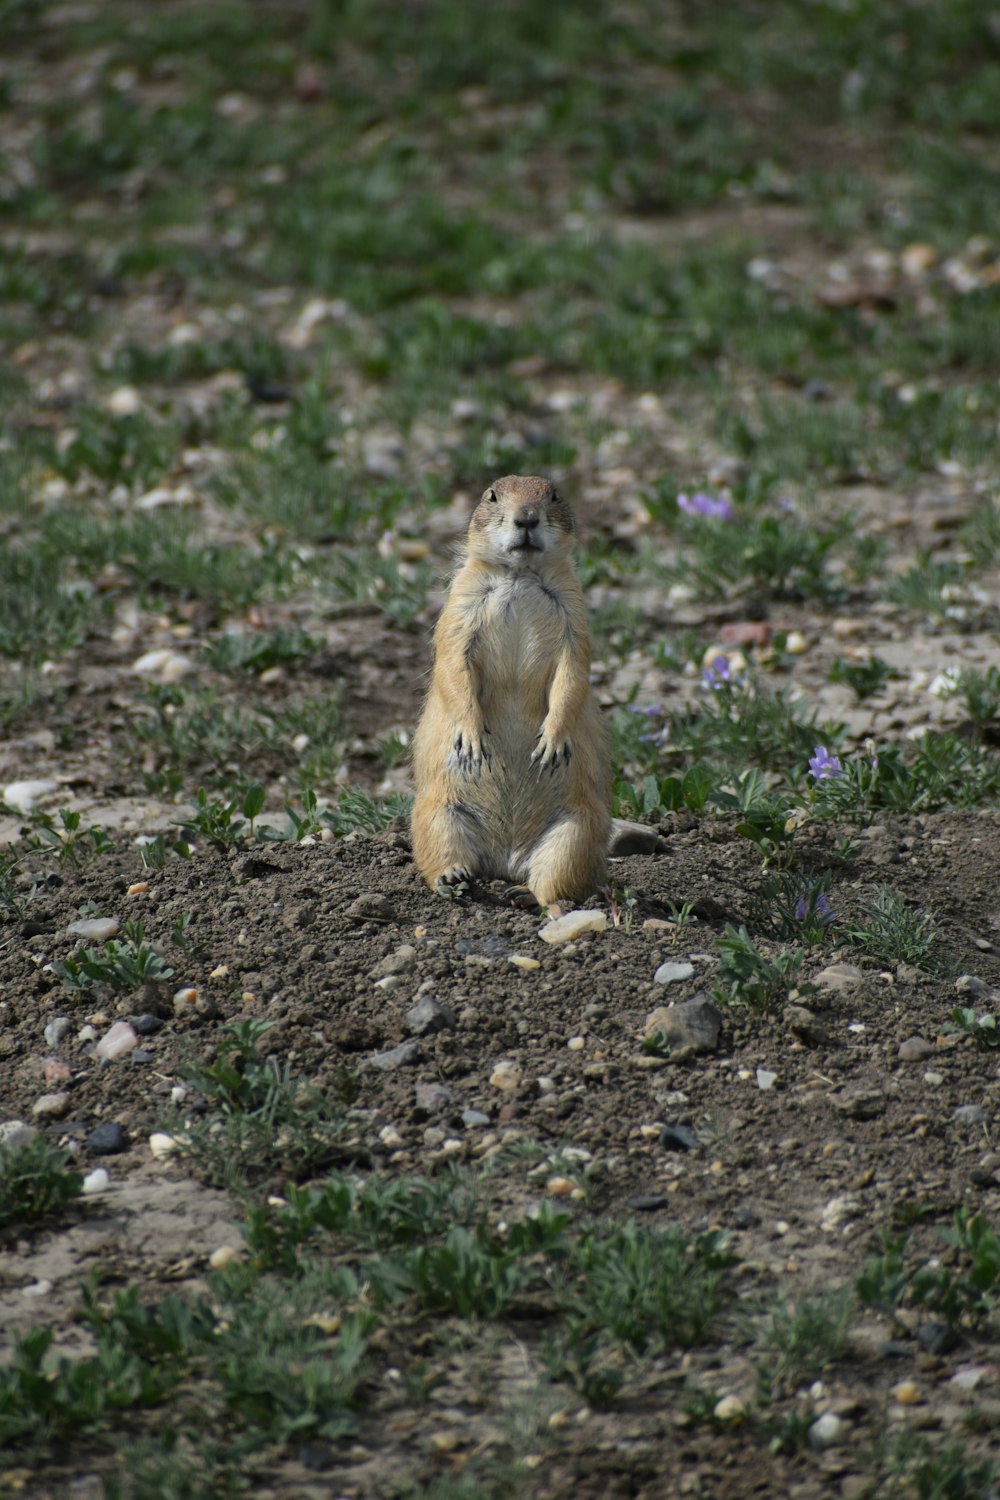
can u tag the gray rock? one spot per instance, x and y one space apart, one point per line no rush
800 1020
395 1057
915 1049
56 1030
431 1098
14 1134
107 1139
678 1138
910 974
838 978
969 1114
647 1203
861 1103
672 973
969 984
634 838
688 1027
427 1017
371 907
937 1338
396 963
146 1024
473 1117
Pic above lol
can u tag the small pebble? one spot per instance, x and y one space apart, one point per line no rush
56 1029
576 1043
14 1134
55 1071
96 1181
915 1049
138 888
428 1017
838 978
370 907
97 929
164 666
672 973
162 1145
38 1289
146 1024
520 961
765 1079
505 1076
573 925
86 1034
969 1114
907 1393
116 1042
51 1106
223 1257
969 984
390 1136
729 1409
678 1138
23 795
560 1187
399 962
827 1430
107 1139
395 1057
473 1117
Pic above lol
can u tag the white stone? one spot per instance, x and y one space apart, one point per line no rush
573 925
672 973
97 928
765 1079
96 1181
115 1043
223 1257
124 402
164 666
23 795
161 1144
729 1409
577 1043
505 1076
827 1430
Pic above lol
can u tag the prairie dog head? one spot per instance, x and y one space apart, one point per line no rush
520 522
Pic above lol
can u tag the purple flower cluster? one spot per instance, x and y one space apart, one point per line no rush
823 765
717 508
821 908
716 673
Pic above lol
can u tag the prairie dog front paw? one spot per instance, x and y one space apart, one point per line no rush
469 751
552 750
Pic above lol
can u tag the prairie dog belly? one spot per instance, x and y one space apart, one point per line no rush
515 657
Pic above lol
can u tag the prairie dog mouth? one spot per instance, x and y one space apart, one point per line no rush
527 543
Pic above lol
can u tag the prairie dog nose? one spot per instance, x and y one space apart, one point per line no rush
527 517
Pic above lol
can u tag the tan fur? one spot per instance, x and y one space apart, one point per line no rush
511 758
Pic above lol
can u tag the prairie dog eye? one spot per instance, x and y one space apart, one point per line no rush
491 496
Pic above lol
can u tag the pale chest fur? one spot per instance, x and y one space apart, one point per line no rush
518 631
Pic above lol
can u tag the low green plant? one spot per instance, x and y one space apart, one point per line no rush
945 1473
224 823
982 1029
748 978
981 691
765 817
963 1293
801 1337
247 651
866 677
71 843
894 932
122 965
261 1117
792 905
35 1181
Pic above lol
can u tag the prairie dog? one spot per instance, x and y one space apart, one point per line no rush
511 757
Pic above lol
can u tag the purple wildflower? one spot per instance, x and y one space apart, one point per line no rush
823 765
717 508
716 673
822 909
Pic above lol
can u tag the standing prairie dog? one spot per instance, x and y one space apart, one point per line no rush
511 758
